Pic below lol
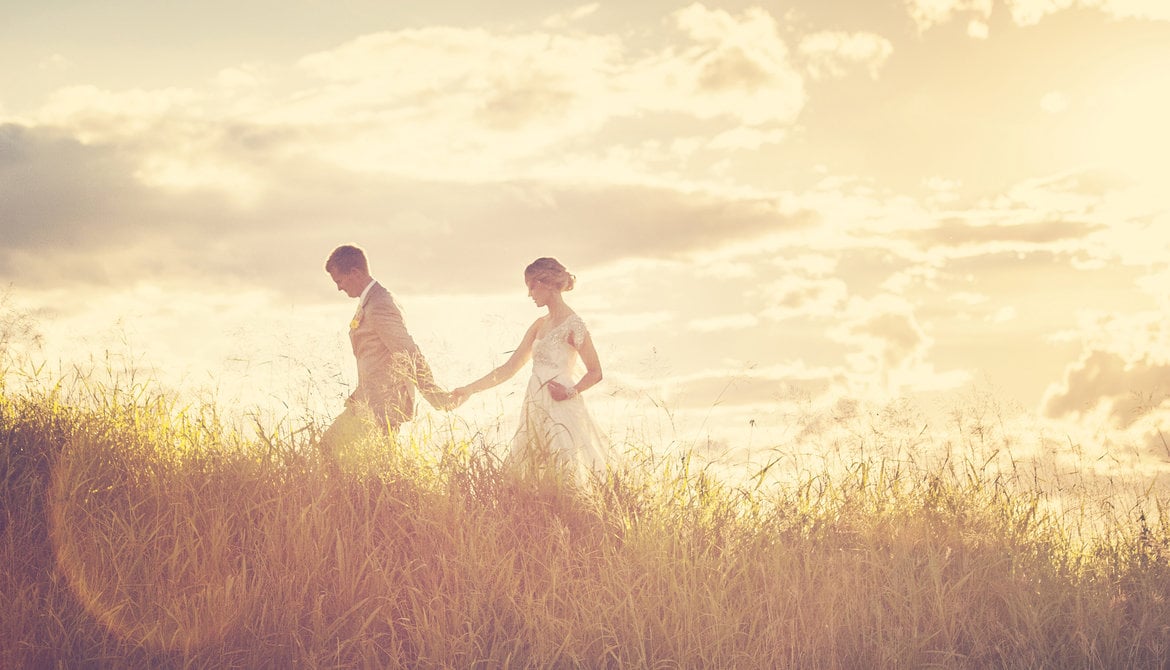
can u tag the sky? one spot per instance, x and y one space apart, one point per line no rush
779 214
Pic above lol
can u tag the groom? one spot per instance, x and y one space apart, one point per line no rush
389 363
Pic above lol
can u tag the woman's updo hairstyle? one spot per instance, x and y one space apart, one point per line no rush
550 272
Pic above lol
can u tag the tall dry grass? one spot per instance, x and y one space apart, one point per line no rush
138 533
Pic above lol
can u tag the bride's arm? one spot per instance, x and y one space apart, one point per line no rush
592 374
506 371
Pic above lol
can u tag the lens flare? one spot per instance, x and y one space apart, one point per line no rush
154 569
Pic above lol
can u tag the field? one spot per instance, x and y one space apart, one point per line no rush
136 532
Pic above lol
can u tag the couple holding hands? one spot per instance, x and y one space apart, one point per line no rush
555 428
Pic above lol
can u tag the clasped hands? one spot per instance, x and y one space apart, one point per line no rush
453 399
449 400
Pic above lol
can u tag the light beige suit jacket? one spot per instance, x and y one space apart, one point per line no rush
389 363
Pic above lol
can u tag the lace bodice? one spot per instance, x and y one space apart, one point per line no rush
557 432
552 353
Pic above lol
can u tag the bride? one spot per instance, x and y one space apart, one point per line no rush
555 427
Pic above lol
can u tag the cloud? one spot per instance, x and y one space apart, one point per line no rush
451 142
599 225
1003 315
721 390
564 19
1040 293
929 13
461 104
1055 102
1030 12
79 214
735 67
1155 10
1157 284
1127 214
240 78
795 296
738 52
717 324
738 68
56 63
885 330
1091 183
1121 379
958 233
834 54
747 139
517 104
58 193
614 324
97 115
1087 218
1127 389
889 351
758 387
968 298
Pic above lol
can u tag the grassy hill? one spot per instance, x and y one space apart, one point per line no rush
136 533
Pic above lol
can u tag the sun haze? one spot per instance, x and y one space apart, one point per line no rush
770 212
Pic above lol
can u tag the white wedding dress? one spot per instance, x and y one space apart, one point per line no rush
555 433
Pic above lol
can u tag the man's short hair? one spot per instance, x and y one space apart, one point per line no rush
346 258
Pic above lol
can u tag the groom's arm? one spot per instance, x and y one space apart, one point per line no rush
408 359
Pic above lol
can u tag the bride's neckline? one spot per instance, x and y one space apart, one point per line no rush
550 327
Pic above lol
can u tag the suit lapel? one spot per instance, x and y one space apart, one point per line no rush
359 314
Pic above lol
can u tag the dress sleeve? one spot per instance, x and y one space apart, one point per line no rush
578 331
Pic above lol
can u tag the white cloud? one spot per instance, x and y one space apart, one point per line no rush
943 191
564 19
468 103
1055 102
1126 389
96 115
724 323
56 63
1003 315
968 298
833 54
192 173
740 67
796 296
1121 380
736 384
885 330
929 13
1126 216
1157 285
811 264
1158 10
64 197
614 324
890 349
239 78
457 154
747 139
736 67
1030 12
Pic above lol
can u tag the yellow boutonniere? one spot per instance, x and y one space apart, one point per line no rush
357 320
